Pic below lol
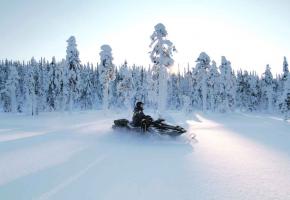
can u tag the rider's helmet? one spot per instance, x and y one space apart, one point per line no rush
139 106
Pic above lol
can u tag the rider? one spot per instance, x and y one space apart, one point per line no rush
139 118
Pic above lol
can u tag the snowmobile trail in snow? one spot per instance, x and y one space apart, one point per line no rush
70 180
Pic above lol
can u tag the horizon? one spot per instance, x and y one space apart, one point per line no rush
248 35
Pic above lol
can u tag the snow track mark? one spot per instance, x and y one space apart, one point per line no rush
70 180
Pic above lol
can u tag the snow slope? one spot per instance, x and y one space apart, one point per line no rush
78 156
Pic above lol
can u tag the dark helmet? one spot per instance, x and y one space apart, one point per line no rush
139 105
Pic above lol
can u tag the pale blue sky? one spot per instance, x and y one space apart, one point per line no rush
250 33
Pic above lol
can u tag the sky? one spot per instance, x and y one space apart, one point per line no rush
248 33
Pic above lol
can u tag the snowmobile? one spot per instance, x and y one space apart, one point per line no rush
150 126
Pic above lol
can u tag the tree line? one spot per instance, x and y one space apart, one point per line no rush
45 86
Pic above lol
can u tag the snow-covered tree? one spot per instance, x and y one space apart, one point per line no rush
201 74
73 64
188 90
30 88
51 84
174 92
86 97
3 77
20 90
242 85
213 84
38 87
254 92
140 84
161 56
280 84
42 85
153 86
144 86
65 93
227 86
285 69
276 94
125 86
267 88
97 88
106 72
58 84
285 99
11 85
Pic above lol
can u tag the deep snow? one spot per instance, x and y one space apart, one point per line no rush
78 156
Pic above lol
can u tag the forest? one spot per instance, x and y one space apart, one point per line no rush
47 85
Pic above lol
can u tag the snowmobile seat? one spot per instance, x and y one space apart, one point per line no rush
121 122
159 120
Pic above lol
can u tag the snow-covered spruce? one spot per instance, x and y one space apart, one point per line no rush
227 86
267 89
161 56
201 73
73 65
125 87
106 73
285 99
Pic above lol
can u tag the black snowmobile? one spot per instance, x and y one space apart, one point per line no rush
151 126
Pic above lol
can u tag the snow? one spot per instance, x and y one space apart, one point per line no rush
78 156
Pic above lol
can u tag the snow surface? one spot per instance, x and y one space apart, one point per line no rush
78 156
